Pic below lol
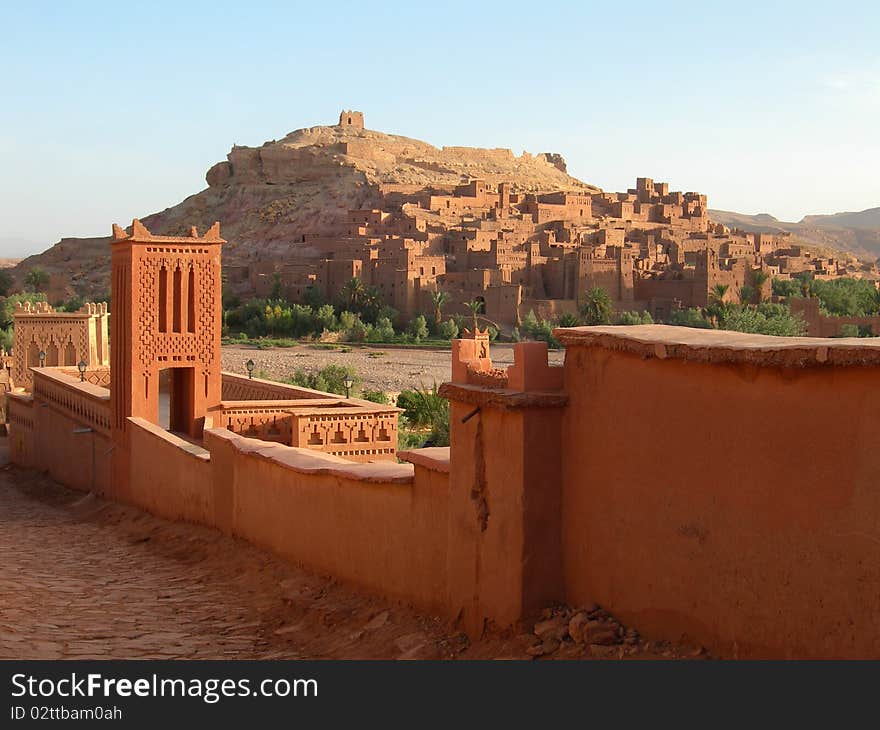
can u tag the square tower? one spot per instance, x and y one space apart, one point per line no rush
352 119
166 294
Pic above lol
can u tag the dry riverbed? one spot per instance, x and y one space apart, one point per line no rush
381 368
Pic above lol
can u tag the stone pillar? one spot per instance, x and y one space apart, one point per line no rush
504 549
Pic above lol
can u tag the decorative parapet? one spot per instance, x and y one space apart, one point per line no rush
307 461
345 427
242 388
63 338
666 342
81 402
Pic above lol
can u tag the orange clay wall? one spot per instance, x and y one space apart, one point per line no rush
735 504
378 526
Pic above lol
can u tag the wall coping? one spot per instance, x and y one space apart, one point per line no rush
721 346
435 458
307 461
190 448
478 395
58 375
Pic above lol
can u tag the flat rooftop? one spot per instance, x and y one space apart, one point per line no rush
708 345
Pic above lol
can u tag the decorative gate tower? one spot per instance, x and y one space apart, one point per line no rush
166 295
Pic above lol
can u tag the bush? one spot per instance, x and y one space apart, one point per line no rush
633 318
448 330
765 319
692 317
418 328
325 318
568 320
376 396
846 297
7 308
329 379
6 338
382 332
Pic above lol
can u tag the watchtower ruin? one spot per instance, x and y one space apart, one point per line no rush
352 119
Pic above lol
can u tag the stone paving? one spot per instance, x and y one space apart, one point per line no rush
85 578
82 578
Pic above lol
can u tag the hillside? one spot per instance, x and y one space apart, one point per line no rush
267 197
857 233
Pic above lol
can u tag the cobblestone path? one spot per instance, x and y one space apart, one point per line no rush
85 578
81 578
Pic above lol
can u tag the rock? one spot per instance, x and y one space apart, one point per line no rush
576 627
598 632
555 628
548 646
378 621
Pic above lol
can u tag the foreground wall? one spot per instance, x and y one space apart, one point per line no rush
725 492
380 526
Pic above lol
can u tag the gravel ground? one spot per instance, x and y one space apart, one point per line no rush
381 368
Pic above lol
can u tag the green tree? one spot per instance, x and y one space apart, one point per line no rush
448 330
759 278
746 294
36 280
353 293
8 305
6 282
439 300
596 307
476 307
418 328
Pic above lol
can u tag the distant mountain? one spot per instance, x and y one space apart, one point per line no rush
854 232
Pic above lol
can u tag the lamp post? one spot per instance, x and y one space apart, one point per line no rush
348 382
82 370
249 365
42 357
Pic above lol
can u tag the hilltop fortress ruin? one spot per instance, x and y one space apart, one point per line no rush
514 247
518 233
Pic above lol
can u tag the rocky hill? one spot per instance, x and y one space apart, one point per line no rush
857 233
267 197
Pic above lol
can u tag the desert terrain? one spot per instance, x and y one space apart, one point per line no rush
381 367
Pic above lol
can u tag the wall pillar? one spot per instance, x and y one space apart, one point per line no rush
504 550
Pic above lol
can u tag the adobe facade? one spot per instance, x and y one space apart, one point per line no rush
63 338
650 248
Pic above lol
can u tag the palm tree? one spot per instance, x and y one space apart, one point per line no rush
718 292
759 278
476 306
746 293
596 307
439 299
353 292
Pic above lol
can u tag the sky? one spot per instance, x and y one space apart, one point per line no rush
114 110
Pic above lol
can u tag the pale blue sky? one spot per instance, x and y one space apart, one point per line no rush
111 110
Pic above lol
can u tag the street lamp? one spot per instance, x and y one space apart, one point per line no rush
250 368
82 370
42 357
348 382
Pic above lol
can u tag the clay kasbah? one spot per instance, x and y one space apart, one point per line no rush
367 398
